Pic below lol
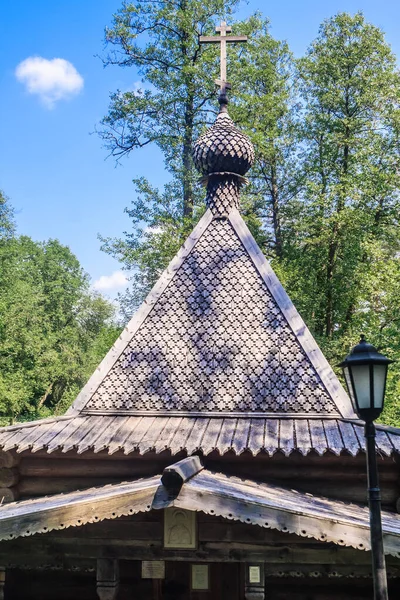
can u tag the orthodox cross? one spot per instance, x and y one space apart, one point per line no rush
222 39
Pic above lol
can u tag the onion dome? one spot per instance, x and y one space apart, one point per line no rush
223 148
223 155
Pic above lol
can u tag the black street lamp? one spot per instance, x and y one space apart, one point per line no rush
365 371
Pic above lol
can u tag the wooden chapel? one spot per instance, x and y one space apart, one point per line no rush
213 455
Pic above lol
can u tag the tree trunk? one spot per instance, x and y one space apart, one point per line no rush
276 217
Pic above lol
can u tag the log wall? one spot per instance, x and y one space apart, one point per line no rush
343 477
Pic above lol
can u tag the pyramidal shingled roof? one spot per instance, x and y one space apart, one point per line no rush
218 334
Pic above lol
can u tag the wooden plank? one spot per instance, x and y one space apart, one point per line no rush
143 429
16 437
395 441
271 442
59 440
383 443
106 435
350 439
256 436
333 436
44 440
318 439
303 438
359 431
179 439
224 443
77 508
126 428
164 439
148 440
86 434
240 437
286 436
31 435
194 443
211 435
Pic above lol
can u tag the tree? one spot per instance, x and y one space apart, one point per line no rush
7 226
264 106
342 232
172 115
53 331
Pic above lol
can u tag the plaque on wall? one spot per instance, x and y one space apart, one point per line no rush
153 569
179 528
254 574
200 578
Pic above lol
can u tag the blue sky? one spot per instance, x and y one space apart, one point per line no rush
52 168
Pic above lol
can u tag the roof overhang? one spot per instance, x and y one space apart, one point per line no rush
261 504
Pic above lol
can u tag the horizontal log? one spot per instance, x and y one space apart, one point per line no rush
46 467
39 486
8 460
8 477
57 548
348 493
8 495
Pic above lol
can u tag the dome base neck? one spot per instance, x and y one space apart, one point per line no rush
223 193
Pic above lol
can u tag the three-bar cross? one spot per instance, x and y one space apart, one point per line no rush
222 39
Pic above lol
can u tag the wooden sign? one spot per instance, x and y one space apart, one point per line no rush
200 578
153 569
179 528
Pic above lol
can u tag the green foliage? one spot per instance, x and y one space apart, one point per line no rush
264 106
161 41
53 331
7 226
342 232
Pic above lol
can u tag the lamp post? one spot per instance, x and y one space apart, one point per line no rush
365 371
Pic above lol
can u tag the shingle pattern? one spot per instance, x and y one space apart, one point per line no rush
215 342
223 148
223 195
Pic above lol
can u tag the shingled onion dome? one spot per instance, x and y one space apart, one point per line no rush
223 155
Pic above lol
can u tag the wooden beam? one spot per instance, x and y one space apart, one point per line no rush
2 582
174 476
107 578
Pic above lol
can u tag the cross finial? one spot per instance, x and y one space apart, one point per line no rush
222 39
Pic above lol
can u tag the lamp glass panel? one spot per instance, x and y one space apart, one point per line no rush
362 388
379 384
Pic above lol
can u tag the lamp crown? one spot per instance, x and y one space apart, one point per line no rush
363 346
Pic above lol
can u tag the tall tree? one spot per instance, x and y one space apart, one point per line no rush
343 231
53 331
264 105
160 41
351 91
173 113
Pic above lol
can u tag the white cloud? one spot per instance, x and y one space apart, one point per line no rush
110 282
52 80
